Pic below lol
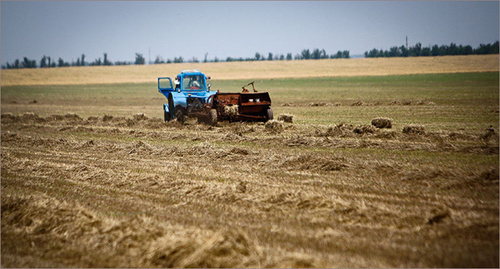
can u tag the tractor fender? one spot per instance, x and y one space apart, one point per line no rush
179 99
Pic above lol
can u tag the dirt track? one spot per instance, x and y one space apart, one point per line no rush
138 192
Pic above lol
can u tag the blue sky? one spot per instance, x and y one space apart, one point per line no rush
224 29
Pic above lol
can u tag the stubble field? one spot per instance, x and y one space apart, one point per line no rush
92 176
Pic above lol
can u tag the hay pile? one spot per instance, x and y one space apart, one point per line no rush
286 118
365 129
342 129
72 117
275 126
107 118
414 129
132 242
231 111
225 249
382 123
139 117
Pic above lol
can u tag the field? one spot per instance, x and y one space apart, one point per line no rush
92 177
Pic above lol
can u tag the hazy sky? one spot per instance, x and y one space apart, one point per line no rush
189 29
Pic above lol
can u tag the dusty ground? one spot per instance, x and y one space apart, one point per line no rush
137 192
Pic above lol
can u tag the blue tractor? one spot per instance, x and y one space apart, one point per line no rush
192 97
189 96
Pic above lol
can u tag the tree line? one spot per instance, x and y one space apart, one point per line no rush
306 54
48 62
443 50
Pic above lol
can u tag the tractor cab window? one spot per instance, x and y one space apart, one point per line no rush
193 83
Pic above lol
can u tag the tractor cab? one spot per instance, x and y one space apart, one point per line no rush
191 82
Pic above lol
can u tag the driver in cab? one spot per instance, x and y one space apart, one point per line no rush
194 83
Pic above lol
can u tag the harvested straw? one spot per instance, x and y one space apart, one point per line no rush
414 129
364 129
382 123
274 126
139 117
231 111
286 118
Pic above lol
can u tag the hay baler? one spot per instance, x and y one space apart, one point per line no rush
192 97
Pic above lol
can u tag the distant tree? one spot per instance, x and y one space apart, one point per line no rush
43 62
289 57
159 60
62 63
178 60
257 56
27 63
82 62
139 59
122 63
270 56
306 54
15 65
106 61
96 62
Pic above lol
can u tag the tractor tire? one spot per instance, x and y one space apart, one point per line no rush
180 113
171 113
212 117
166 115
269 114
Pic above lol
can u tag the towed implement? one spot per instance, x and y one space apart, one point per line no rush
192 97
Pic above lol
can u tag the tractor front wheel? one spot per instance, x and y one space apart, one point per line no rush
180 112
166 115
171 112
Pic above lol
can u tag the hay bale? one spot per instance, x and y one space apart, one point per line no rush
414 129
274 126
382 123
231 111
286 118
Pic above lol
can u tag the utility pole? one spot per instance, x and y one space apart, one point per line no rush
149 56
406 42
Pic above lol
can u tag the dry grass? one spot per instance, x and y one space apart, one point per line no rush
115 192
109 186
254 70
